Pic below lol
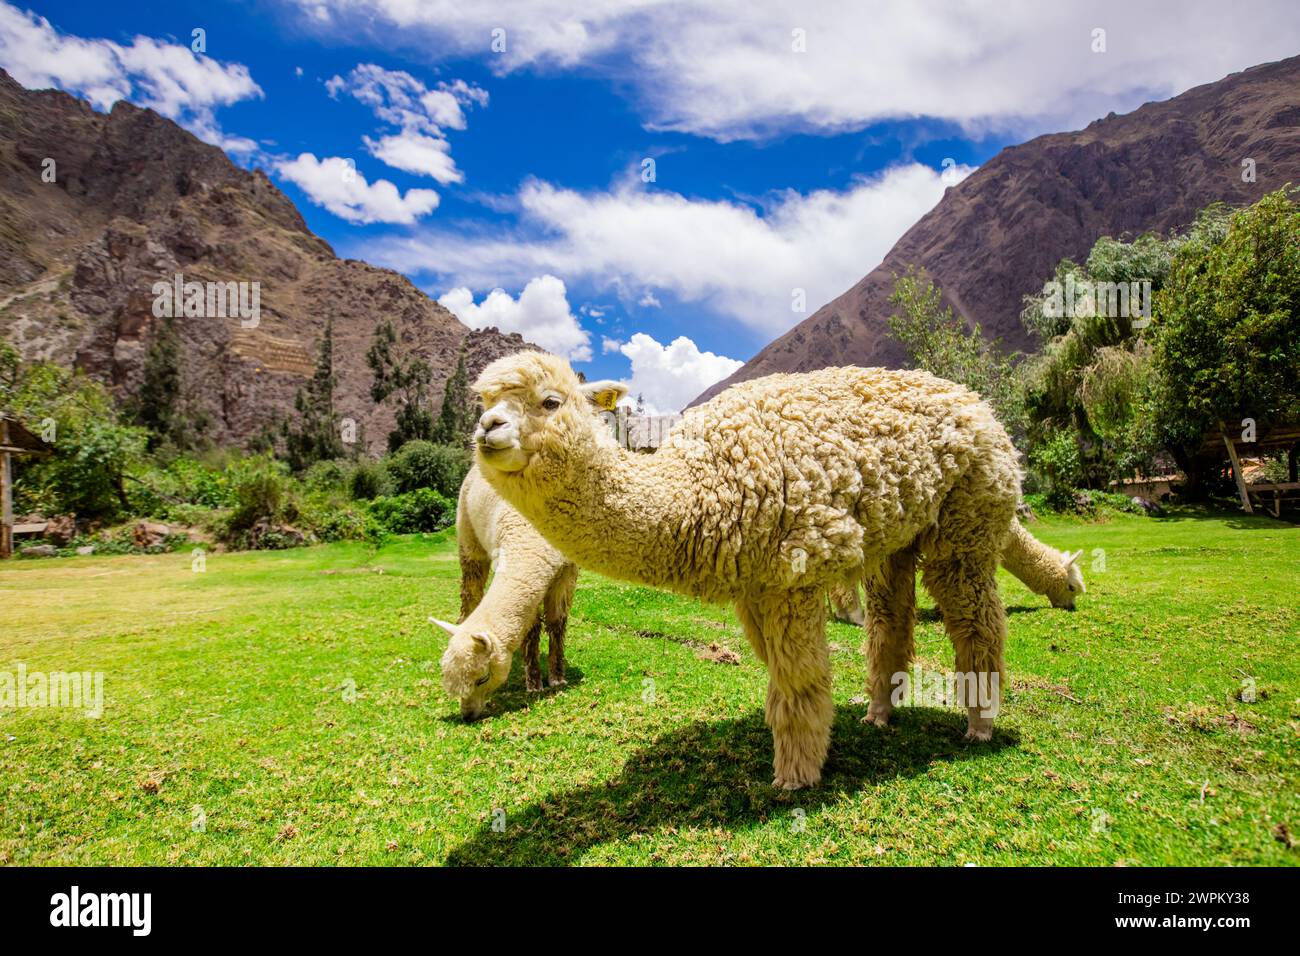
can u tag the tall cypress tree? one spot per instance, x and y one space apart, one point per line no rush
456 419
315 435
408 377
160 390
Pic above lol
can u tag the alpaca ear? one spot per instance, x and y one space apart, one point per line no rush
604 394
449 628
481 642
1071 558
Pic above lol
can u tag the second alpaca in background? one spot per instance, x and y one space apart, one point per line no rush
532 586
1054 574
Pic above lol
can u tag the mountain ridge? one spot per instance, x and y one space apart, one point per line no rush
135 200
998 235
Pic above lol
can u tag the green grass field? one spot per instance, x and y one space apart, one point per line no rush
285 708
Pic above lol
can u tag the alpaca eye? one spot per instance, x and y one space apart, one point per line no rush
1070 586
483 680
551 403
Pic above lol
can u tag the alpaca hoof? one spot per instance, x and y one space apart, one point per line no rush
533 685
794 780
877 717
980 735
560 682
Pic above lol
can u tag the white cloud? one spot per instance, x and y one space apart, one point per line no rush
608 345
420 113
165 77
727 69
417 153
670 376
649 301
741 261
335 184
541 315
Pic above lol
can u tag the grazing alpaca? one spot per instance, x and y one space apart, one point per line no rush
763 497
1054 574
1046 571
529 575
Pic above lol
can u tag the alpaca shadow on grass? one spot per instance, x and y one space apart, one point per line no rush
512 696
719 773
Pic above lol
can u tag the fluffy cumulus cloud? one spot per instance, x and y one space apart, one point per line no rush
742 261
336 184
541 315
421 114
669 376
166 77
746 68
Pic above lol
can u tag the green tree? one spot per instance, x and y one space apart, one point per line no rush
157 405
408 378
456 419
93 451
944 345
1228 321
314 436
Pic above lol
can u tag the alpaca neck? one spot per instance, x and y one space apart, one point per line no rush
510 606
619 513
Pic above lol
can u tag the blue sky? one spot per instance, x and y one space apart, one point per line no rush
505 146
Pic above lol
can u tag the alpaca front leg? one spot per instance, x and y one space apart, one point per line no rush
891 623
532 668
799 708
800 718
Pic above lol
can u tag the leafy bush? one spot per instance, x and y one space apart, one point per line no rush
325 475
331 516
262 492
422 464
420 510
1056 464
368 480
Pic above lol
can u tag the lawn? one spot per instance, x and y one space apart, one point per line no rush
285 708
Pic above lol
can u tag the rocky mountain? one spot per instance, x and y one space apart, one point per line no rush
998 235
98 208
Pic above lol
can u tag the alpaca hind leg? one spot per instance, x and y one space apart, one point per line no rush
965 588
791 627
890 627
532 669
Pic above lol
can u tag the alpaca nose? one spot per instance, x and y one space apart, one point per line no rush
491 419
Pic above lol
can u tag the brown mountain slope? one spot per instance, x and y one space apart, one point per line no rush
135 200
997 235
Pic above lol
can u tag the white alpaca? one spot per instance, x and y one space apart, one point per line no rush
763 497
1046 571
532 585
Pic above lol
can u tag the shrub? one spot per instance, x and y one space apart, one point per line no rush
1058 468
262 492
326 475
422 464
420 510
368 480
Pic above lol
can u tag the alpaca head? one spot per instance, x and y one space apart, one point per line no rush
534 401
474 665
1070 584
